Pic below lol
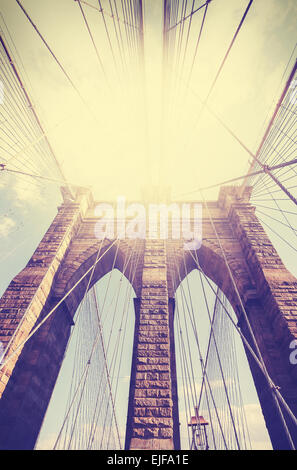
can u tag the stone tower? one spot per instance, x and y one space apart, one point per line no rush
68 250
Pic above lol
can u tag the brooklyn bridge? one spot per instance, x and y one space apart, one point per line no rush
148 225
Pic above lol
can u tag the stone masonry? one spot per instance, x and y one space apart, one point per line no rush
152 416
69 248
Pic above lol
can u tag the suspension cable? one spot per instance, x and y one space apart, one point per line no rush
35 329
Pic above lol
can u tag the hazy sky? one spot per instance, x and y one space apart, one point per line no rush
99 139
98 131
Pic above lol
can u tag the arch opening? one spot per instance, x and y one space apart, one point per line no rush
213 372
88 407
209 260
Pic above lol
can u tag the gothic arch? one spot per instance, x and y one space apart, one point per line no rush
213 265
111 254
68 250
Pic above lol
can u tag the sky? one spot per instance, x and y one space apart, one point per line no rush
96 133
97 126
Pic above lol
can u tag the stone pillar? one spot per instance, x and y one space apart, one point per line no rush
27 381
271 310
152 414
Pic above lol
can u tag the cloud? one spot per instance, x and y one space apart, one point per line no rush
100 436
257 429
21 192
47 442
255 422
6 225
27 193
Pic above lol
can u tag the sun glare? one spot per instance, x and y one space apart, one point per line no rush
118 127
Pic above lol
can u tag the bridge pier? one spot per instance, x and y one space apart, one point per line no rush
153 406
69 249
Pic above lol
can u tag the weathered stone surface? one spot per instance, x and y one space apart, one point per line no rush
151 406
153 422
268 292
